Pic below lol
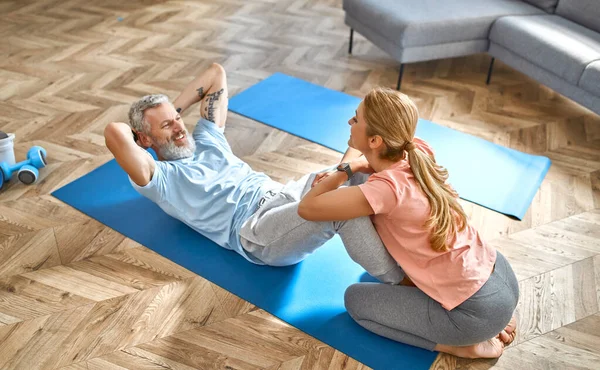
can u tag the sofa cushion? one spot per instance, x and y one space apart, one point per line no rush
550 42
584 12
590 79
547 5
409 23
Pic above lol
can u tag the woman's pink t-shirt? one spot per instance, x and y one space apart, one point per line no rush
401 210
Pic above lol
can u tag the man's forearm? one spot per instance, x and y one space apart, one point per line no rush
350 155
197 89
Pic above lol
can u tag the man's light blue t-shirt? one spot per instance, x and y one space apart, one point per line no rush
213 192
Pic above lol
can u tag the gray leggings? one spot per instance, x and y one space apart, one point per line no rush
408 315
276 235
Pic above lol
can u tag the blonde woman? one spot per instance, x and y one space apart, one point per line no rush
459 294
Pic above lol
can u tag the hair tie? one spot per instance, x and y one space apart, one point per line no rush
409 146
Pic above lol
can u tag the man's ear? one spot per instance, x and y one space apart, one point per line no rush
143 140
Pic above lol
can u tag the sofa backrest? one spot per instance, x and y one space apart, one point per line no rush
583 12
546 5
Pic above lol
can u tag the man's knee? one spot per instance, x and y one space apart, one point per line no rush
359 223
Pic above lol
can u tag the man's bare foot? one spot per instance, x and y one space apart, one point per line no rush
492 348
509 333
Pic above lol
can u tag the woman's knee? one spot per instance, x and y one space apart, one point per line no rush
352 300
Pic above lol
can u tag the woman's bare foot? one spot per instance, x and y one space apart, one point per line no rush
492 348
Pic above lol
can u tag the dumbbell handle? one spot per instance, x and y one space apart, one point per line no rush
16 166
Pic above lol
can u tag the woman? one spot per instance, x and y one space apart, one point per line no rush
459 294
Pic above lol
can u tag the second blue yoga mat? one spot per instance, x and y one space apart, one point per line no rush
493 176
309 295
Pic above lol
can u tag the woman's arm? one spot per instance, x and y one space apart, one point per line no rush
325 202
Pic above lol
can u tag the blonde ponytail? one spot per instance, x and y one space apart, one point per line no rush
447 216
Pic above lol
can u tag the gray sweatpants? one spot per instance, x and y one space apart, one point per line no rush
276 235
408 315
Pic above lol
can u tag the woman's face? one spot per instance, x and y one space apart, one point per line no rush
358 131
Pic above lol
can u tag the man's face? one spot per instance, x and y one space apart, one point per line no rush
168 135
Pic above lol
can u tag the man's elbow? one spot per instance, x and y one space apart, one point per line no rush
114 136
219 70
110 132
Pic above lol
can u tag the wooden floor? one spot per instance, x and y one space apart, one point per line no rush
76 295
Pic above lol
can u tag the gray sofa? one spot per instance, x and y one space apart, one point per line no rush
556 42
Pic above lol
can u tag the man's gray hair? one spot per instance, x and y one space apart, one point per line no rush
136 112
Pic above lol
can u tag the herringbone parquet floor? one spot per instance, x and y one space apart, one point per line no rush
76 295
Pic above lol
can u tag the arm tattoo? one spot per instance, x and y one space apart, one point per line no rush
210 109
200 92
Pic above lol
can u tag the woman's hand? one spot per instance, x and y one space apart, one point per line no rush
359 164
320 177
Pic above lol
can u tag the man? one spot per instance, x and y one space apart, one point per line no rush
199 181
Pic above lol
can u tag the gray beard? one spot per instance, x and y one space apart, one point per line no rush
171 152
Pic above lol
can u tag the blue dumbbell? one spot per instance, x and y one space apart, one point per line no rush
27 170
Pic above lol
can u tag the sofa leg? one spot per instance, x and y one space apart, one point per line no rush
400 76
490 71
351 37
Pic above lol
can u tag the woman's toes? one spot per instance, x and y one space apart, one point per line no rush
512 325
504 336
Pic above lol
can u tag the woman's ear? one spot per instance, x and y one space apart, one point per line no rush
375 142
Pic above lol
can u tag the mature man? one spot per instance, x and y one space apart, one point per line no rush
198 180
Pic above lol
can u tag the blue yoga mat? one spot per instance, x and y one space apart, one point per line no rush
308 296
499 178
